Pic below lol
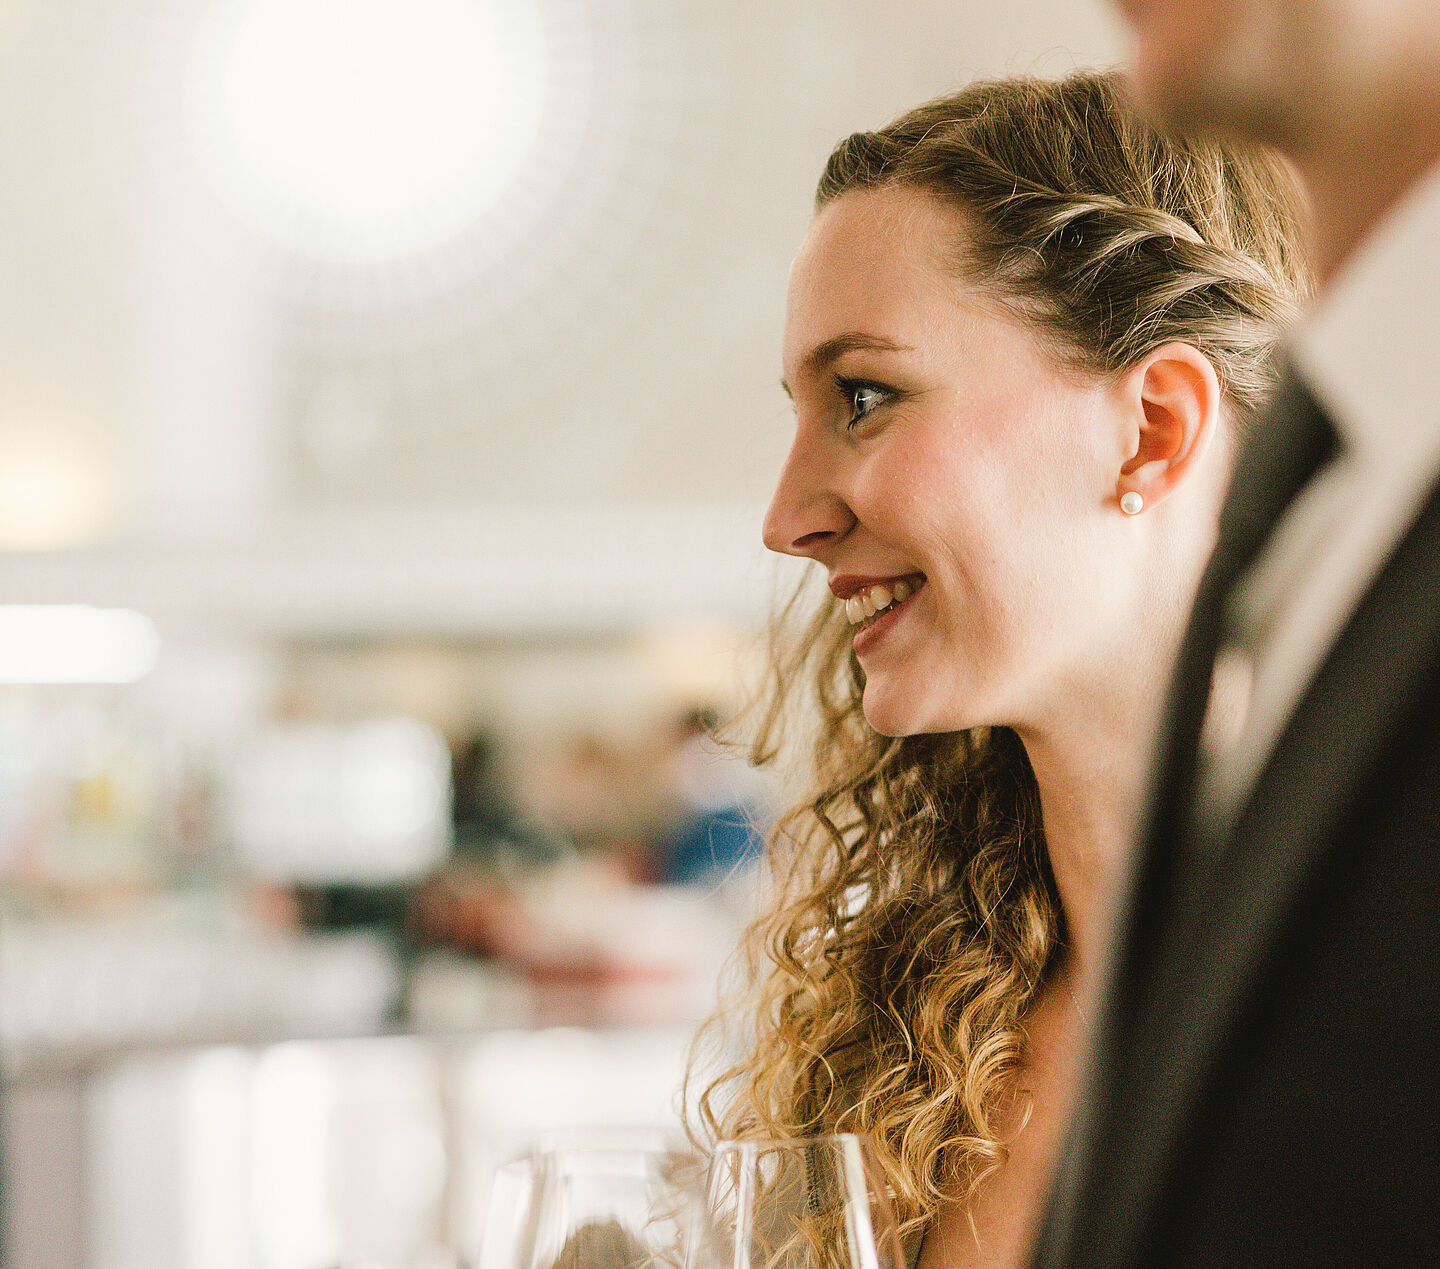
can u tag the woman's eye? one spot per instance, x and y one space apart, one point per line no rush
863 398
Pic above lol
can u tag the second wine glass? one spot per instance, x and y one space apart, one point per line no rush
600 1206
803 1203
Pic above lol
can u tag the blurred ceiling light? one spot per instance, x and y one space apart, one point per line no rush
55 491
366 130
75 643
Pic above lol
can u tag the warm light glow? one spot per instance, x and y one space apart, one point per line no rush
367 129
54 491
698 663
74 643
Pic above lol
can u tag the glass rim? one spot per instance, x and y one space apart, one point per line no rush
645 1144
630 1138
863 1139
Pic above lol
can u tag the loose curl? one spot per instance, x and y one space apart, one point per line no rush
915 918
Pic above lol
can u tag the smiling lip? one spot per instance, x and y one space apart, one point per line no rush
875 628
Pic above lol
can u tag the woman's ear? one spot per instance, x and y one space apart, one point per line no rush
1172 403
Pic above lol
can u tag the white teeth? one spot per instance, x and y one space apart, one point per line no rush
875 599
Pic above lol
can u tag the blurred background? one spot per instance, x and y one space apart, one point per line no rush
388 404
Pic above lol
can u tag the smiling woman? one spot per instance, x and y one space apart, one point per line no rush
949 395
1018 310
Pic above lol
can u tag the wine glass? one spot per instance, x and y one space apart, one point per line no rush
802 1203
600 1206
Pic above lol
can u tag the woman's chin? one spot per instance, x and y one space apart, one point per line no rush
891 717
895 714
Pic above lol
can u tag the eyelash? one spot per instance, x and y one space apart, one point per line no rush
849 389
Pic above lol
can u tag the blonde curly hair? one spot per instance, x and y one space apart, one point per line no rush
915 917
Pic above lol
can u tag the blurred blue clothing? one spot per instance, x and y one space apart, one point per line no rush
714 842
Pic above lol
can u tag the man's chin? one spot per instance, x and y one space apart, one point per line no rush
1170 89
1210 110
1214 88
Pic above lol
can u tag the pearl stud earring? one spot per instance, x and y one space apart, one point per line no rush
1132 504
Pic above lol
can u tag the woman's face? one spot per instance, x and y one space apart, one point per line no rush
943 457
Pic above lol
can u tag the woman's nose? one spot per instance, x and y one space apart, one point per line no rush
806 511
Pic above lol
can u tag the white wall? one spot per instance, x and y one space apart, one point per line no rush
619 357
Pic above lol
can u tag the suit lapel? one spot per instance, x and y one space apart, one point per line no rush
1205 956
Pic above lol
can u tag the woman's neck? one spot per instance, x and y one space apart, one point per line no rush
1090 782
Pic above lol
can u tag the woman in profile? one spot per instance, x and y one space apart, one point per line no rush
1022 336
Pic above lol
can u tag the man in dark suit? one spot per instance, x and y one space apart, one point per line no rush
1264 1083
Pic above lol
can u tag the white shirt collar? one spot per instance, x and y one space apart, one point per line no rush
1370 350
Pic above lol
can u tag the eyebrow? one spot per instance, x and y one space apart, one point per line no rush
832 350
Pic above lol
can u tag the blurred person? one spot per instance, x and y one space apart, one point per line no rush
1021 336
482 807
1265 1087
714 832
597 792
490 829
567 900
469 902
